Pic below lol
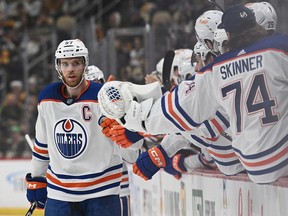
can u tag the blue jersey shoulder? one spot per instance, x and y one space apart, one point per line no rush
92 92
277 41
51 91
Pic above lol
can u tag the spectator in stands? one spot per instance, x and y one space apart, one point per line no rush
16 144
136 65
11 110
54 7
16 87
122 52
65 25
33 10
114 20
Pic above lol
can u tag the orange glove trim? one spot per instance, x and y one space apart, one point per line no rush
138 172
35 185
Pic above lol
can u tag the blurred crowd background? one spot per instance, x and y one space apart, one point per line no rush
125 38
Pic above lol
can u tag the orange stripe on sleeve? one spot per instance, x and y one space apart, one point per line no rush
41 151
175 116
217 125
124 180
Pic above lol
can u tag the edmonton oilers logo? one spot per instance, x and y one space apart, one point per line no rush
70 138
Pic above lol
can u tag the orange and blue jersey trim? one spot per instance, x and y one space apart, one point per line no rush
277 156
173 112
93 183
40 150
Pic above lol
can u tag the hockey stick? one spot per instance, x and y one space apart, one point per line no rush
167 64
34 204
31 209
29 141
216 4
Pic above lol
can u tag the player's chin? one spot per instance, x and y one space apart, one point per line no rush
72 82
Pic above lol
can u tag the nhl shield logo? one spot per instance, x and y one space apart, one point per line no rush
70 138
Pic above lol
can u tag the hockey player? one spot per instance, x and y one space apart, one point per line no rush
249 82
179 151
72 160
265 16
206 137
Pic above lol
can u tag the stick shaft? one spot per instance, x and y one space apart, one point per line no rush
29 141
31 209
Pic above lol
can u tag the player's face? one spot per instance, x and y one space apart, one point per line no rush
72 70
199 63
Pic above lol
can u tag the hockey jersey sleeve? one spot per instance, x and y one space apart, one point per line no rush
180 110
40 158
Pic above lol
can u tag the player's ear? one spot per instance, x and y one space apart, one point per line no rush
228 35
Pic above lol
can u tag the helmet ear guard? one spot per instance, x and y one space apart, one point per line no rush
202 51
220 36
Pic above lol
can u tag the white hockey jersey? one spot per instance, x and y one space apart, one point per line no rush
252 86
78 161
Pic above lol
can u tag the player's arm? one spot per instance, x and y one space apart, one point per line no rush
35 181
183 109
161 156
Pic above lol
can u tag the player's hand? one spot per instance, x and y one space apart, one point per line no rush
107 124
36 190
178 159
124 137
150 162
170 169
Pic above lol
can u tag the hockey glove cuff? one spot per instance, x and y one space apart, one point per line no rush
36 190
124 137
